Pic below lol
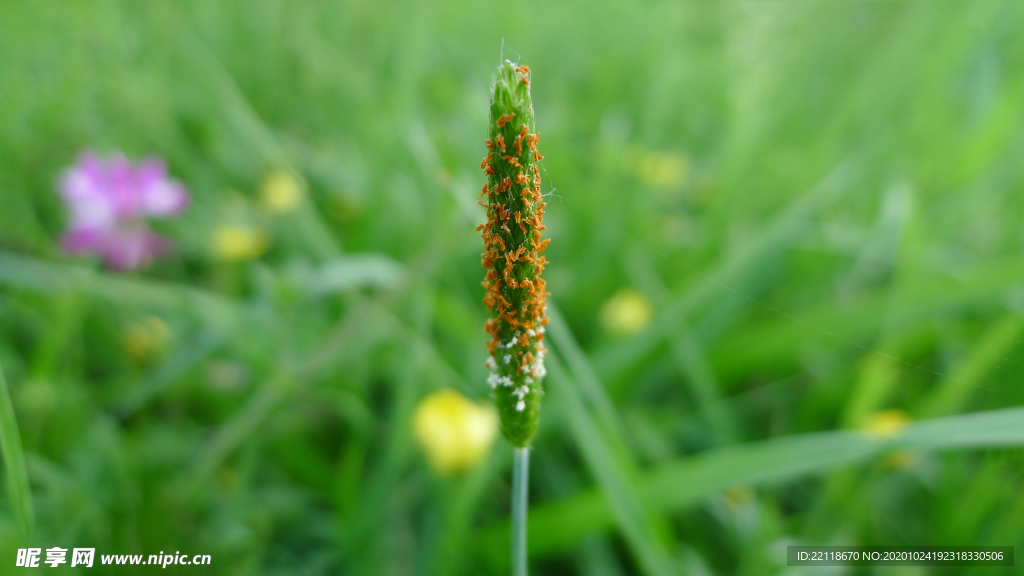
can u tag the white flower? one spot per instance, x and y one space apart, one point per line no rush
537 369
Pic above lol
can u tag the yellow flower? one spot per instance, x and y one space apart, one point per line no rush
231 242
902 459
280 193
739 497
145 339
668 170
887 423
626 313
659 169
454 432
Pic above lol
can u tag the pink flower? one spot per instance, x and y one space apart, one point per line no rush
109 202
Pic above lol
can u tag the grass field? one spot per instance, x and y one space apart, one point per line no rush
786 277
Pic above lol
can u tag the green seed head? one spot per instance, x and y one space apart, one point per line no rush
512 256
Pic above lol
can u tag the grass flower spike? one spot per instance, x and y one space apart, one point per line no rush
512 255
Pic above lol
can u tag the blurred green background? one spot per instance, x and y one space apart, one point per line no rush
787 261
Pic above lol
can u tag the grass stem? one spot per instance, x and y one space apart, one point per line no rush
520 485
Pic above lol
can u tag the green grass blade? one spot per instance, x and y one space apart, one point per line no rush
237 107
586 378
41 276
348 273
776 341
622 499
18 491
692 362
687 352
954 390
877 374
557 525
742 263
190 355
978 429
233 433
461 510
